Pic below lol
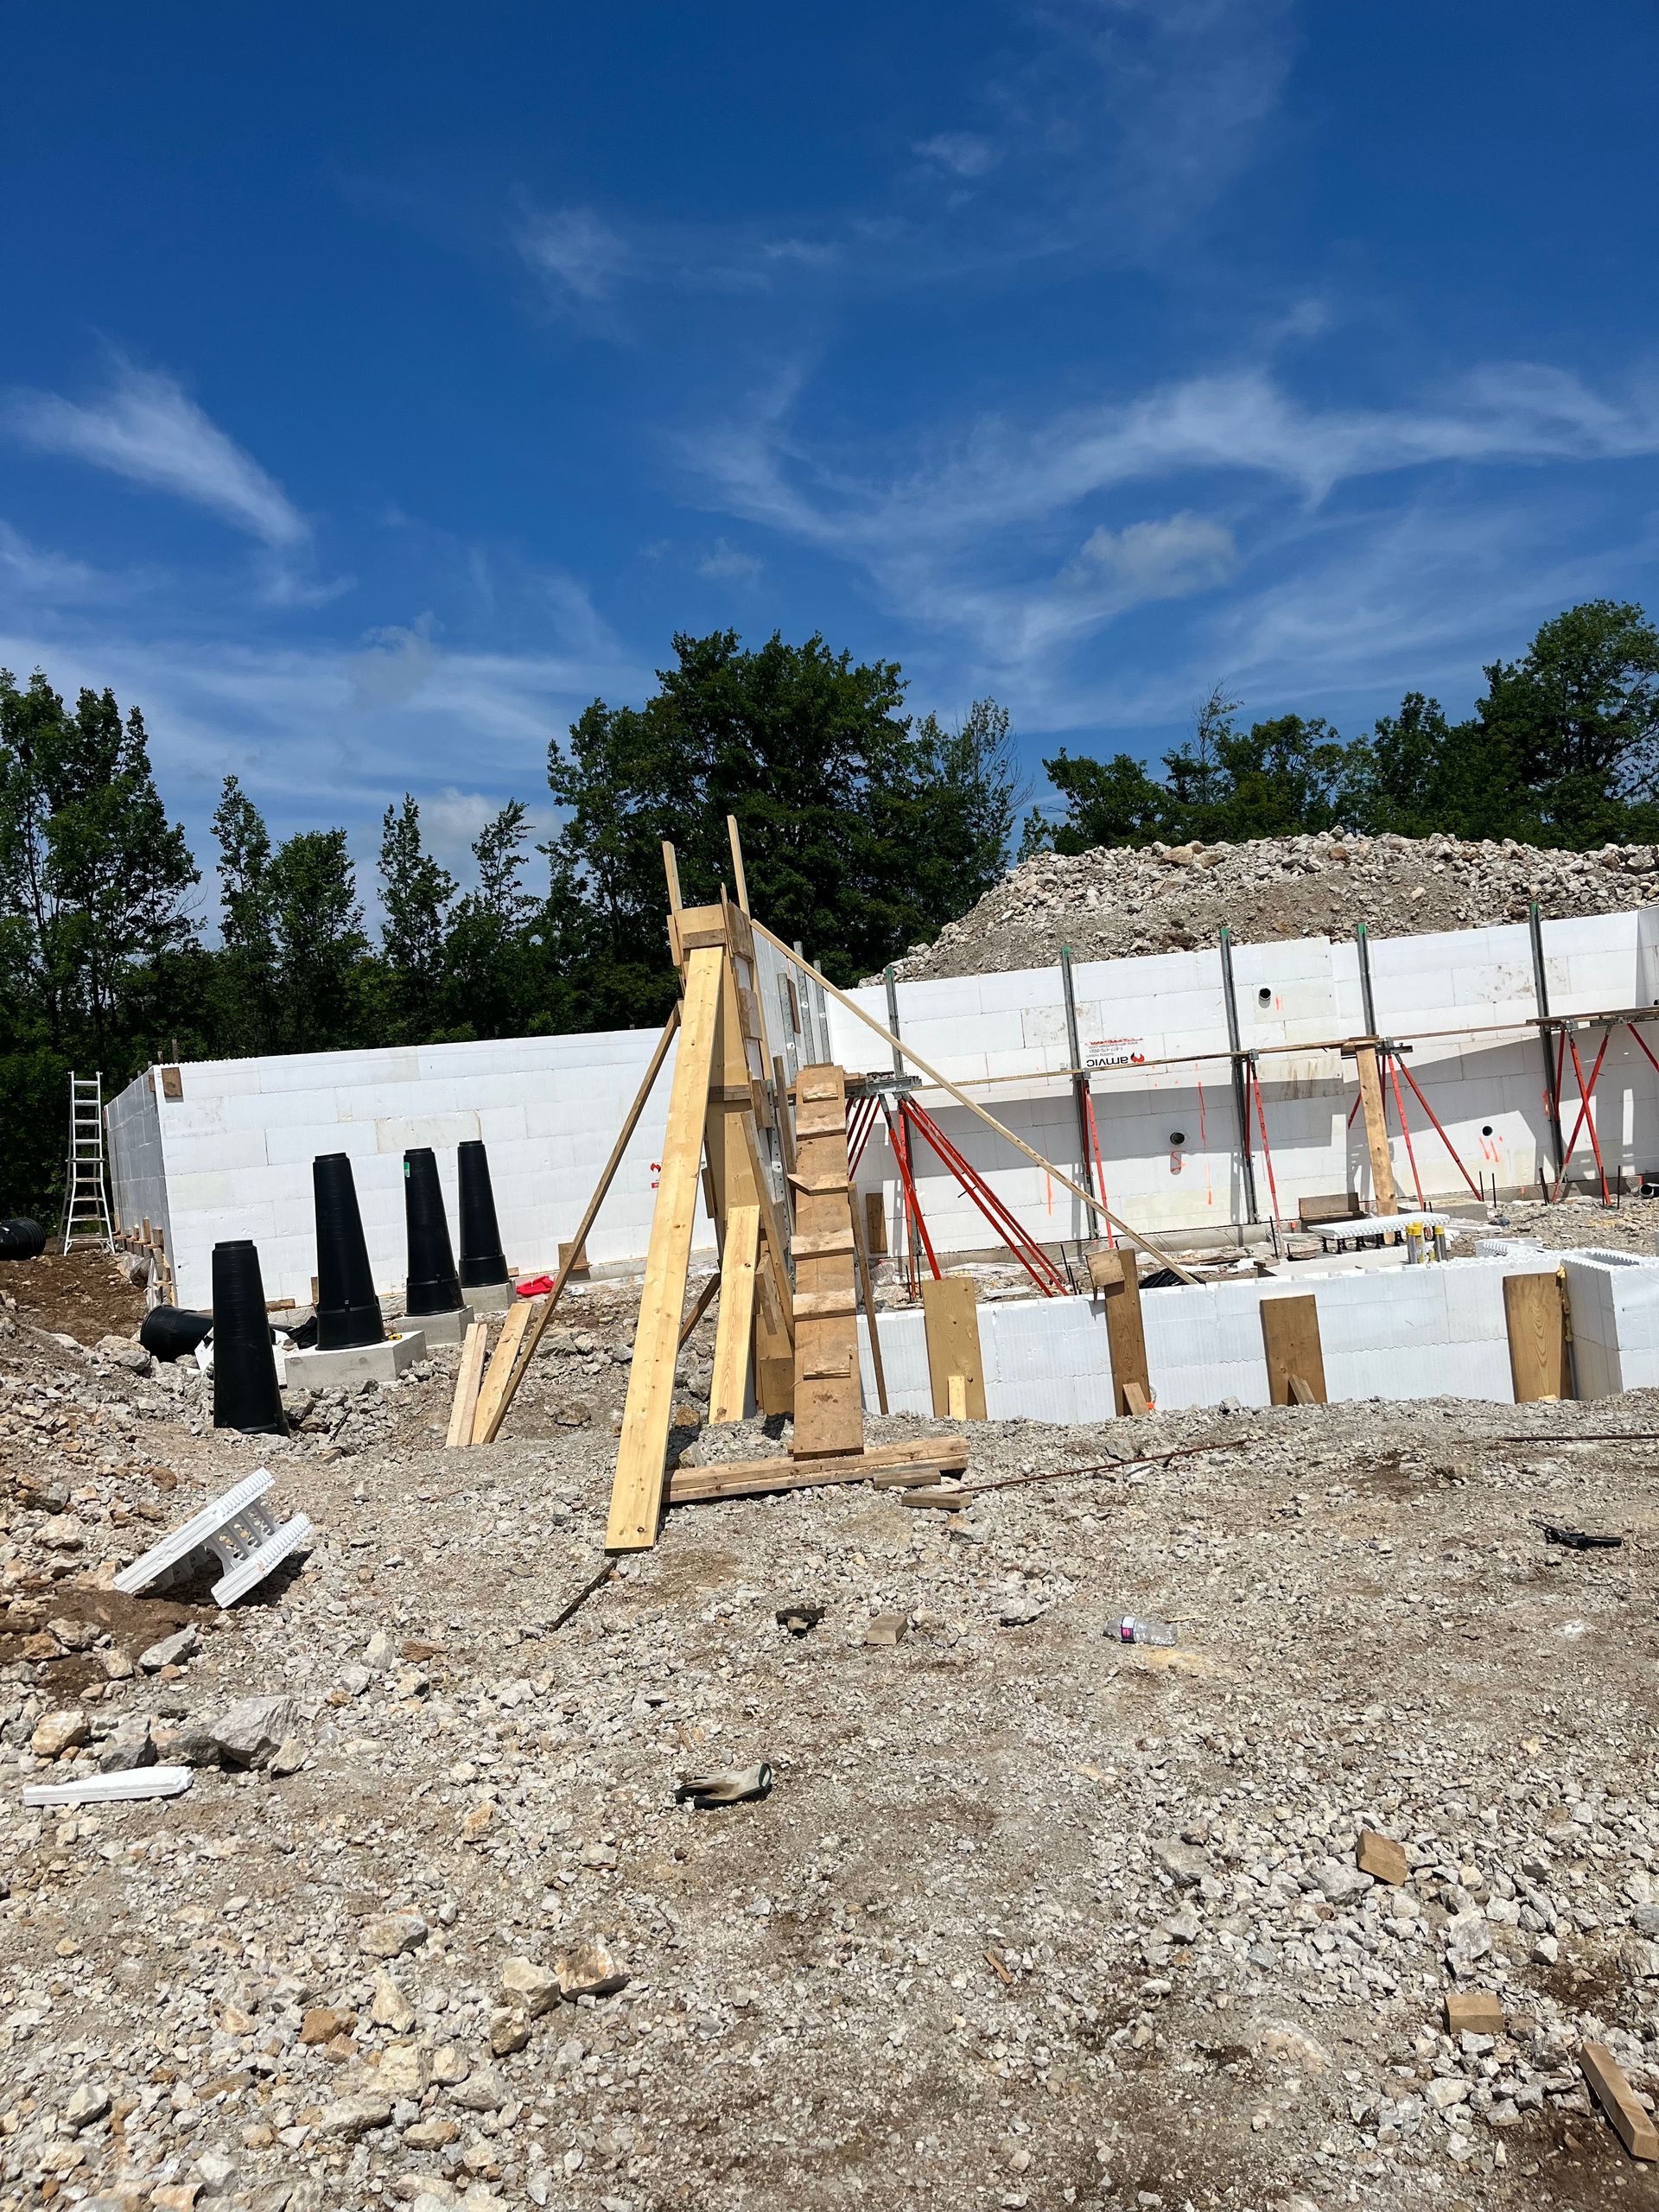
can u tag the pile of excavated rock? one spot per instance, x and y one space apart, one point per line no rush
1320 1906
1112 901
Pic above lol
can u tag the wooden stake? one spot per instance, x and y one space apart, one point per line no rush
500 1380
636 1490
465 1408
954 1091
1385 1197
728 1394
625 1136
866 1290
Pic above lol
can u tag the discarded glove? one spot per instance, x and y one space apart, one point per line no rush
798 1619
732 1787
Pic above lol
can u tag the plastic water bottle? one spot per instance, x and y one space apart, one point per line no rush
1134 1629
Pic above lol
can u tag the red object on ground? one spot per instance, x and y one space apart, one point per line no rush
537 1287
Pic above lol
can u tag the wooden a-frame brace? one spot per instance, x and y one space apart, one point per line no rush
717 1103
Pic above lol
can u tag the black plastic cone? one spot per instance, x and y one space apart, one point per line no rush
481 1258
433 1286
348 1312
246 1395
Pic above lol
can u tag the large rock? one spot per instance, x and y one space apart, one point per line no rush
588 1970
251 1731
61 1731
528 1987
390 1934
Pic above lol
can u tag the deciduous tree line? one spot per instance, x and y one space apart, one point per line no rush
864 830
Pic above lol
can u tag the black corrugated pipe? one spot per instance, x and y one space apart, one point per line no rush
246 1395
348 1312
432 1285
22 1239
173 1331
482 1260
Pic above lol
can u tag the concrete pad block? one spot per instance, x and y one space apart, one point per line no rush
383 1363
490 1298
443 1328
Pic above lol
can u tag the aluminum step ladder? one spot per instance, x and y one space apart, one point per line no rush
86 1210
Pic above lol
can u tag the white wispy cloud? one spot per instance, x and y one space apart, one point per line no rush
146 428
577 252
30 571
1169 559
963 153
725 563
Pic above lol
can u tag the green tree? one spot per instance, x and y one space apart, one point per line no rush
1569 734
861 832
243 989
317 926
415 894
94 879
487 952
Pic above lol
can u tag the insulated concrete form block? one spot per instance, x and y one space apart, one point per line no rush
441 1132
299 1146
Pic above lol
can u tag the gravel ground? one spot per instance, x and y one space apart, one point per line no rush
1029 1919
1112 901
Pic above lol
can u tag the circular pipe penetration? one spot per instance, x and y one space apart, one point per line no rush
348 1312
245 1393
432 1285
482 1260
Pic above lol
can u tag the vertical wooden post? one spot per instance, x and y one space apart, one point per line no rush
951 1313
867 1291
1385 1197
1295 1355
636 1490
1116 1276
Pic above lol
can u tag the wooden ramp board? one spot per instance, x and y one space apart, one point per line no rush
637 1488
951 1316
500 1378
1290 1338
1540 1359
890 1465
829 1404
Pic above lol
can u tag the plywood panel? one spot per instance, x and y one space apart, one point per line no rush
1290 1338
950 1307
1535 1313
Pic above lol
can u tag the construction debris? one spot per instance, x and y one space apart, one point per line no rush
239 1531
731 1786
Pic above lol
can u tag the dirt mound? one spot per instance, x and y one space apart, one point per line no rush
1111 902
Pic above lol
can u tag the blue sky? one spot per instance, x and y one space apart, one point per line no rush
381 385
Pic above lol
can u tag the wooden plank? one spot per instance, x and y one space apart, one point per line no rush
951 1315
728 1392
1535 1313
624 1135
875 1223
498 1379
1300 1391
824 1186
893 1466
956 1391
700 1305
1631 2124
1116 1276
463 1412
1290 1338
740 881
829 1402
1100 1212
637 1486
828 1244
1385 1197
1136 1404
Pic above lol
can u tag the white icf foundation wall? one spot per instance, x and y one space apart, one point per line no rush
1436 1331
231 1157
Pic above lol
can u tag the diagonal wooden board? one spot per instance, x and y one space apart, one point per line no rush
637 1488
471 1375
